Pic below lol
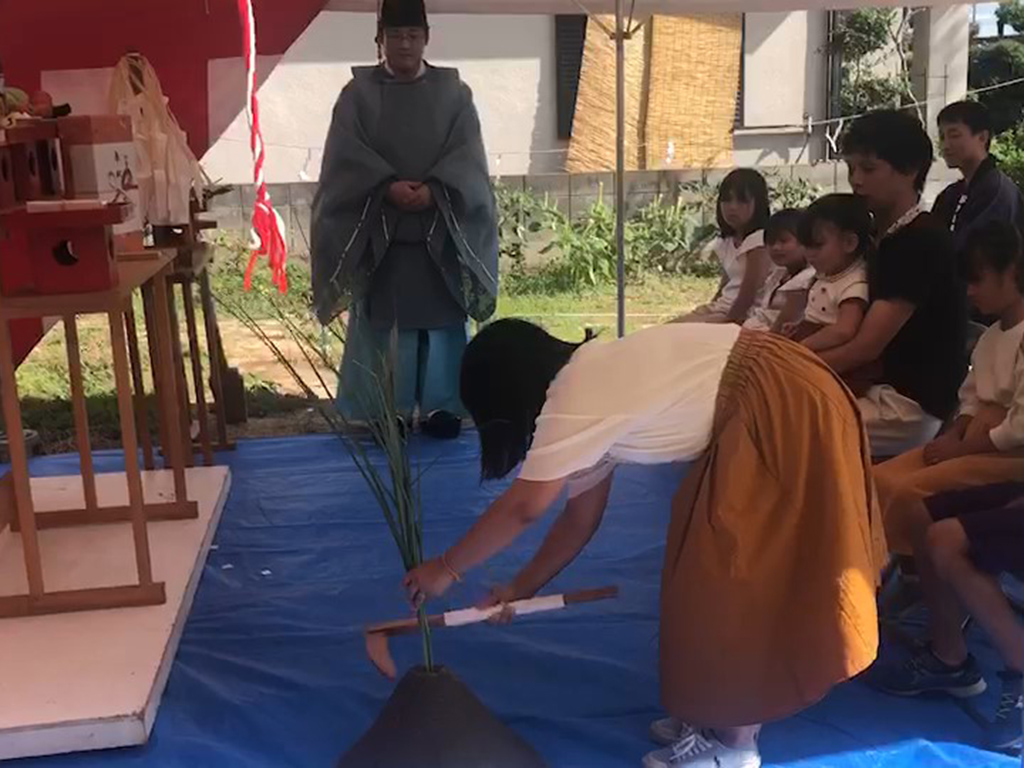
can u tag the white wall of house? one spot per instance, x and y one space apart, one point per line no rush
784 84
508 61
941 45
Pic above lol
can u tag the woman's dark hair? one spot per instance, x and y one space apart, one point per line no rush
847 213
785 221
745 185
506 371
896 137
995 245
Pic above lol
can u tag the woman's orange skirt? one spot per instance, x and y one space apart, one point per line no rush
774 548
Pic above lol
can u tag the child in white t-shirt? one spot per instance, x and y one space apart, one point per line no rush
785 291
836 232
742 214
985 445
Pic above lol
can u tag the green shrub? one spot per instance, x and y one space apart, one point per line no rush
669 238
1008 148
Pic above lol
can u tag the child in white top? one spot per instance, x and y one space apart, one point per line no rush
785 291
985 445
836 234
991 417
742 214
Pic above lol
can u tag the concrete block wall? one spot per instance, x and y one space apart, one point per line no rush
573 194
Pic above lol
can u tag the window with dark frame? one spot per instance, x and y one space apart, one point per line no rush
570 34
737 119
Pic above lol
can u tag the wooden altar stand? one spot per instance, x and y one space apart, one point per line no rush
149 275
133 543
191 271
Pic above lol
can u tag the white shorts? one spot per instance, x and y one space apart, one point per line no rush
895 424
716 311
761 319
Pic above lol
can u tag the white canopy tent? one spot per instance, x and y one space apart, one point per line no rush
647 7
627 14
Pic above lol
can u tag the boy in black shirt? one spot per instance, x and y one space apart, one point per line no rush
917 321
984 193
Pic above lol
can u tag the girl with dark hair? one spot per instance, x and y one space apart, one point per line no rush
743 213
836 232
785 290
774 544
952 503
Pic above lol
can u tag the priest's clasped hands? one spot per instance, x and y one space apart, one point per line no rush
410 196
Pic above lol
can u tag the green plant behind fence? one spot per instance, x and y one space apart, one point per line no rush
586 253
1008 148
579 253
669 239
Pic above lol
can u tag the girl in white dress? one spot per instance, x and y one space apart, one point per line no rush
785 291
743 213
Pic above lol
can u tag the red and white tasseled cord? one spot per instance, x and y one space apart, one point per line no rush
268 228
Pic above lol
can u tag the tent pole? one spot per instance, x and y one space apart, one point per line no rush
620 162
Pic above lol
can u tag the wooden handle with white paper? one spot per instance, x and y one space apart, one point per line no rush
466 616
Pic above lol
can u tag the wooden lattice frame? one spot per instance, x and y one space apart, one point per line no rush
151 274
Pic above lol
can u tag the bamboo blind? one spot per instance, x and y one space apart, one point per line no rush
592 146
682 74
694 73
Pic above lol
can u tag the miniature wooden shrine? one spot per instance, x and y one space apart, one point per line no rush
57 260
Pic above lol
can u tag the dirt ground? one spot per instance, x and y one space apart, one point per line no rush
252 357
256 362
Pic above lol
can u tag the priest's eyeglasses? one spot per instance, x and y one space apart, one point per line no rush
405 35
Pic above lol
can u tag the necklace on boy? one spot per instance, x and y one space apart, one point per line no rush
912 213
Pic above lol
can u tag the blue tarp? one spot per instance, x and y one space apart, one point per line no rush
271 671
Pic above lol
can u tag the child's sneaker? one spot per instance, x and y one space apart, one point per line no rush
924 673
700 749
668 731
1006 732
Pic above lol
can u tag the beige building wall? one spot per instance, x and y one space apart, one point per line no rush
785 71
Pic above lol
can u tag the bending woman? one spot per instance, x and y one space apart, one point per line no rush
768 589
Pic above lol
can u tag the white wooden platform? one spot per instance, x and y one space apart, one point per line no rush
84 681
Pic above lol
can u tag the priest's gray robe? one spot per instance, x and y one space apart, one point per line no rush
386 130
422 273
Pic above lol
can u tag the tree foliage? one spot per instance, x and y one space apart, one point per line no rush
861 33
1008 148
992 64
868 92
1010 14
862 38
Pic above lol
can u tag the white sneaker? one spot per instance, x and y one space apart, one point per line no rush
700 749
668 731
